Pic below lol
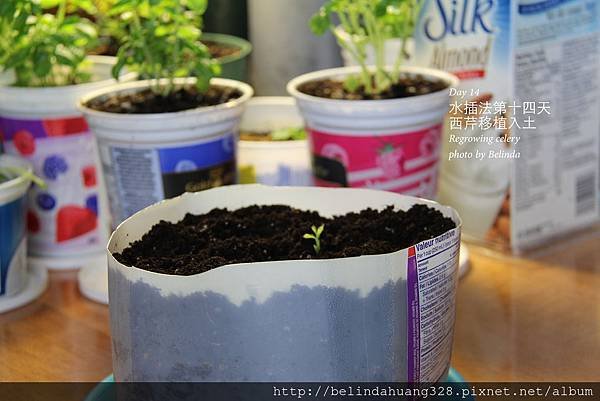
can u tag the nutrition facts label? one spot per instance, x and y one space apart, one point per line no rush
431 285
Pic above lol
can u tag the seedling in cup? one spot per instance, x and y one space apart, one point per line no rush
316 236
369 22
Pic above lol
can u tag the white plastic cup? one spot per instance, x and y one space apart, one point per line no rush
478 206
150 157
69 218
367 318
391 145
13 241
475 189
273 162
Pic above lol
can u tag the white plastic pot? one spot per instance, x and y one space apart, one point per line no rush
367 318
390 144
149 157
273 162
392 48
13 242
43 125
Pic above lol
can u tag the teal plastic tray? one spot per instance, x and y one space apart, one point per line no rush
105 390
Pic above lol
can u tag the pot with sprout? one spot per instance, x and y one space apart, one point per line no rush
373 125
176 130
45 70
256 283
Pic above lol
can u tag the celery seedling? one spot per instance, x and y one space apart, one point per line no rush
316 236
370 22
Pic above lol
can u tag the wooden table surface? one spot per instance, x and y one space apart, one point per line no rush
517 320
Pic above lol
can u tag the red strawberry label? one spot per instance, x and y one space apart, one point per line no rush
24 142
74 221
89 176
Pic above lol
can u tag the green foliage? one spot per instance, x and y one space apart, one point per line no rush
163 41
8 173
316 236
46 48
288 134
369 22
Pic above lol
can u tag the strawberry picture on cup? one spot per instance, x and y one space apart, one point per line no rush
390 160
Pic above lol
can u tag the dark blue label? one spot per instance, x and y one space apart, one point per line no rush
197 167
199 156
12 232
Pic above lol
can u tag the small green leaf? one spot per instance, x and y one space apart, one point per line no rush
199 6
320 230
352 83
320 23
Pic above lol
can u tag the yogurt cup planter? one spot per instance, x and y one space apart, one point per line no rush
273 162
391 144
43 125
13 242
150 157
367 318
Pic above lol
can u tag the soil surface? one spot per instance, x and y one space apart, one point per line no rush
199 243
146 101
219 50
407 86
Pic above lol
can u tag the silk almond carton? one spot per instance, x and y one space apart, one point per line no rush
521 142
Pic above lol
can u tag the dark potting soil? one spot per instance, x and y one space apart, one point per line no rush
407 86
218 50
199 243
146 101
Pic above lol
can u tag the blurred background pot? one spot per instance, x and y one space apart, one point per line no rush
272 162
235 54
367 318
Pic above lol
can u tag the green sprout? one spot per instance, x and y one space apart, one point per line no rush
370 22
316 236
45 42
10 172
288 134
163 41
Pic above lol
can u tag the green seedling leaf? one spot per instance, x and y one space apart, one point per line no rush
316 237
352 83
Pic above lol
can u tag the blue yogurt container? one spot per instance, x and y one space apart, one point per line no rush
13 242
